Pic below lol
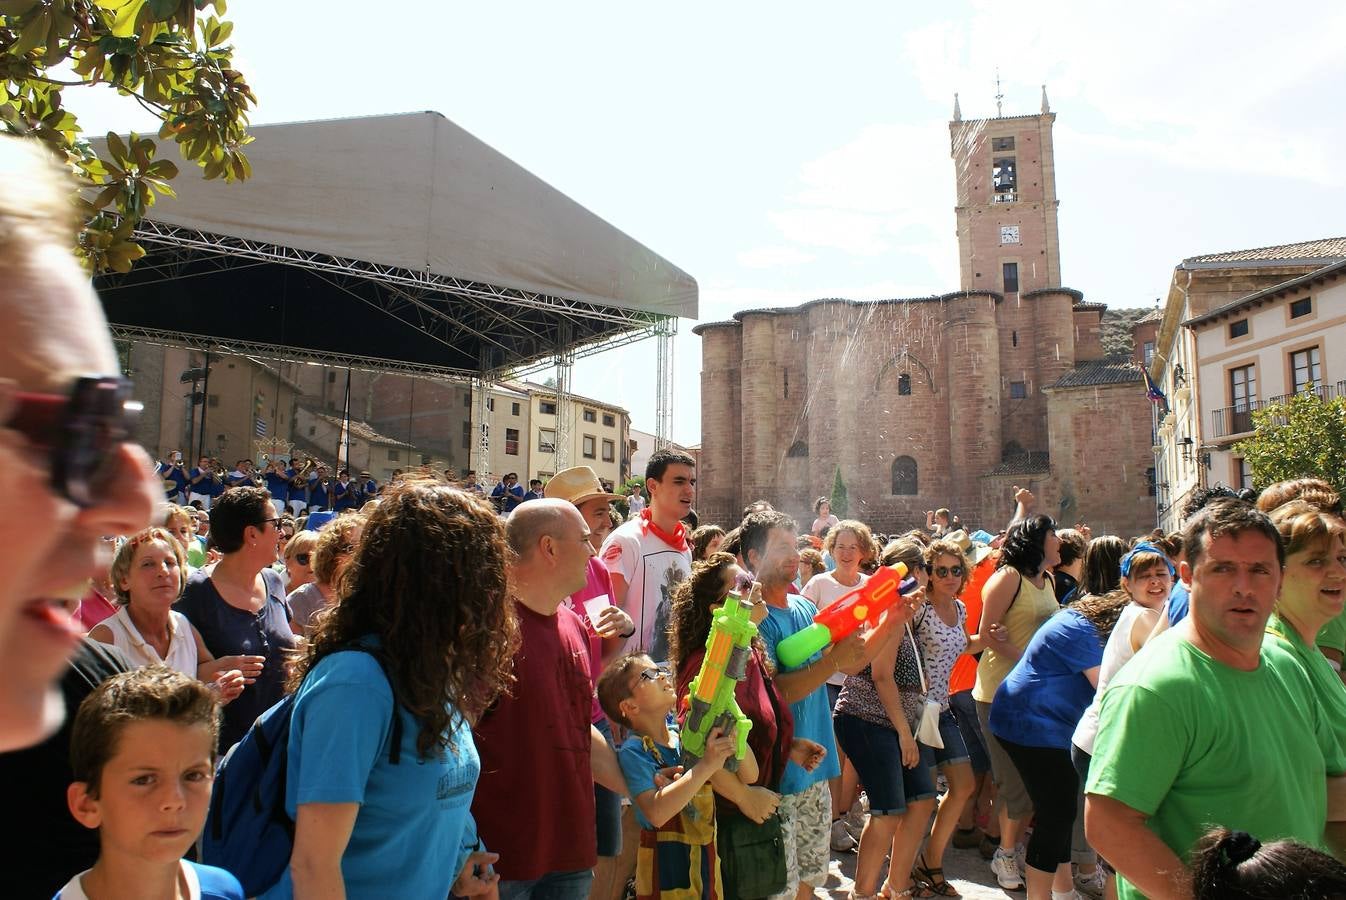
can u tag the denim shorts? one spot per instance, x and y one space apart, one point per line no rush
954 750
877 756
964 710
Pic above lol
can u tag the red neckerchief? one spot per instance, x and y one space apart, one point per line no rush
677 540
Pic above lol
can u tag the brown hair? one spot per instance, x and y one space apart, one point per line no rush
1073 546
701 539
863 535
689 616
1234 865
1103 565
1314 491
1303 525
126 555
144 694
1227 518
942 547
904 550
334 539
1102 611
429 579
814 560
618 683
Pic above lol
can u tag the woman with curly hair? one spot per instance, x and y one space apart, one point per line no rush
423 625
1016 601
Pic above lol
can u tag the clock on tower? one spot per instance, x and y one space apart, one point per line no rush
1009 234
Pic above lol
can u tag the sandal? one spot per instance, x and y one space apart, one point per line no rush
934 879
918 889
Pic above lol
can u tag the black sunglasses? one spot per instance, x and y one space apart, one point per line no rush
80 432
946 571
654 674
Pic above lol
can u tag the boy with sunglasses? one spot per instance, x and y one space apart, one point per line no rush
677 821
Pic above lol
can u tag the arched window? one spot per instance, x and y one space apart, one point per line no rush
904 476
797 449
904 385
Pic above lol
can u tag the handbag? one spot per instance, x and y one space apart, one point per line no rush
927 732
752 856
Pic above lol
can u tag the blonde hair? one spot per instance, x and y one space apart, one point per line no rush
302 542
863 535
334 540
36 200
126 555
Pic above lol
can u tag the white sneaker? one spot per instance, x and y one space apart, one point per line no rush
1006 871
842 840
1091 885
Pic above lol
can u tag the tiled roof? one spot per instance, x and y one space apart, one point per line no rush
1030 463
1154 315
1332 271
361 430
1325 248
1109 370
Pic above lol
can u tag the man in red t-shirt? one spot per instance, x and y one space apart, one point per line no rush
540 755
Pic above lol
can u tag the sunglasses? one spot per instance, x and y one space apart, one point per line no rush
301 558
80 432
654 674
265 522
946 571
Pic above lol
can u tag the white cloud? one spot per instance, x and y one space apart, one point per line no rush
773 256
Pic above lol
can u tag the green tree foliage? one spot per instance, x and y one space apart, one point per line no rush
1300 438
176 66
841 506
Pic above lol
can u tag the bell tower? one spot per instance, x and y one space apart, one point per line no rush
1005 175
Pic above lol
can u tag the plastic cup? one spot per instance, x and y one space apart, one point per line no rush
594 606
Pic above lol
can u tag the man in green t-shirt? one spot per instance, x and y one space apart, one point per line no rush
1207 726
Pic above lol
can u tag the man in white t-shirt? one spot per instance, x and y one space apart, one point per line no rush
649 555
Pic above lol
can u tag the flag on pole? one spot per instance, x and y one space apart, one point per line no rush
1152 390
259 427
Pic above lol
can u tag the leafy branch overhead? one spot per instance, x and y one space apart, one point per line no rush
177 66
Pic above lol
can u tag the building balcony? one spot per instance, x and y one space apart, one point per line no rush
1004 197
1234 420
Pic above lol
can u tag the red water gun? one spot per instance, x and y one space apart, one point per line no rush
862 606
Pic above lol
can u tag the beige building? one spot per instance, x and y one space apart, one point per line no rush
598 436
1214 372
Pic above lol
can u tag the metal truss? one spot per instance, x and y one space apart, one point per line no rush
664 333
284 353
565 364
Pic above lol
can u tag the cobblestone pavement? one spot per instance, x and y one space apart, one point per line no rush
965 869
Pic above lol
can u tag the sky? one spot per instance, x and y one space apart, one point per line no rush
781 152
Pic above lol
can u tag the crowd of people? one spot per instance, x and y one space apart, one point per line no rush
424 689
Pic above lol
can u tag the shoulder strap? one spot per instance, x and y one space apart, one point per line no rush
916 652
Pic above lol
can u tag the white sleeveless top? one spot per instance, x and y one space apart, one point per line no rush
1116 653
181 644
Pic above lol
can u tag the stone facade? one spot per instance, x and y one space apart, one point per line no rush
943 401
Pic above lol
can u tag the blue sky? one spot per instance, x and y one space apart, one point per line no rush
786 151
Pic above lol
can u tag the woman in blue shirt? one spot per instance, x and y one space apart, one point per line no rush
1034 714
422 624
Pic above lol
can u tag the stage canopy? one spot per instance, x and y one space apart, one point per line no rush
395 242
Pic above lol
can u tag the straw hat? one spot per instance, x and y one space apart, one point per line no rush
576 485
975 552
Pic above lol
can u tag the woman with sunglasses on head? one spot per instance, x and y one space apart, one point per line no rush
239 606
1016 601
70 470
149 573
938 629
298 560
331 553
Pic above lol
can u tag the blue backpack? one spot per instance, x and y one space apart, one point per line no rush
248 831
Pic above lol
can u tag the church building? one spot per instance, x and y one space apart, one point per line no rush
940 401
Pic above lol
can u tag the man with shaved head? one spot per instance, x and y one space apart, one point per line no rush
539 753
